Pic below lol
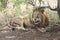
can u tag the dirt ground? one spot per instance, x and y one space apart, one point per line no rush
32 34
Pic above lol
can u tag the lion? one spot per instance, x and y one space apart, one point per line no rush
39 18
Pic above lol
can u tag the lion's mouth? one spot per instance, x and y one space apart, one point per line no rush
37 21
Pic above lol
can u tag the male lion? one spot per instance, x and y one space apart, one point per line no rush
39 18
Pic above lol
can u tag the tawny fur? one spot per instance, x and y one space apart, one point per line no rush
43 16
